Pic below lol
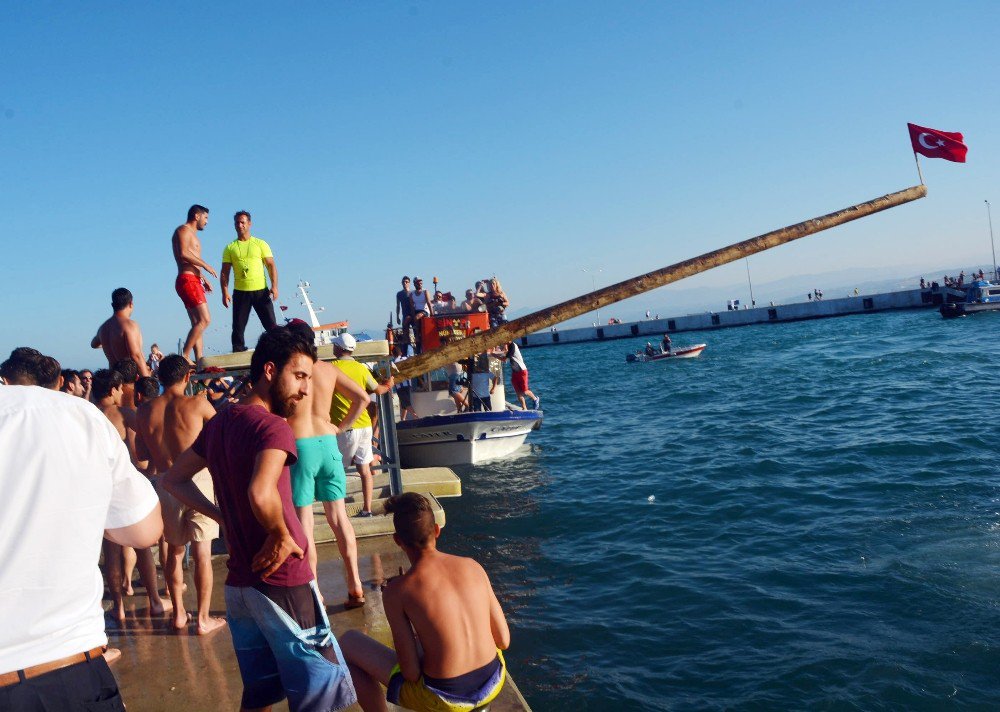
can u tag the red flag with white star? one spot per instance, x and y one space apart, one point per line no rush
938 144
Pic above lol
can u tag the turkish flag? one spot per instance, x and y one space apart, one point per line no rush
283 307
938 144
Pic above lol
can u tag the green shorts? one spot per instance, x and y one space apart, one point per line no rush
318 474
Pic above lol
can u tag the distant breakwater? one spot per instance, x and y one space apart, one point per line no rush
772 314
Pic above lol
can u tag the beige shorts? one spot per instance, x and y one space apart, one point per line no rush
181 524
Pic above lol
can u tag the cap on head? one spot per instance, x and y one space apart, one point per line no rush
417 279
345 342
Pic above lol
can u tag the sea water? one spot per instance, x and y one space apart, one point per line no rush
805 517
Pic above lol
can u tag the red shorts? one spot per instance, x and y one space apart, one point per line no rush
519 379
189 289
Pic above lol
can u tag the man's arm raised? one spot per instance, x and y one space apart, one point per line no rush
266 505
178 482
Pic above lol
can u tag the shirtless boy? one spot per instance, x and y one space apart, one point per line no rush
168 425
107 395
447 626
191 284
318 475
120 336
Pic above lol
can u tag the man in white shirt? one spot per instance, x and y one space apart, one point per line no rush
66 481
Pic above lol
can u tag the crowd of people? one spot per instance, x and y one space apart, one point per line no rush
125 460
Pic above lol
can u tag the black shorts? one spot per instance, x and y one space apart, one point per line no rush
85 686
403 392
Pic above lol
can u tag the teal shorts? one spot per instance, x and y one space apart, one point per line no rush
318 474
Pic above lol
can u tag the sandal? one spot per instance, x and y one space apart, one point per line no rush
354 601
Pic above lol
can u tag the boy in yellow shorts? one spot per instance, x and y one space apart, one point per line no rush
447 603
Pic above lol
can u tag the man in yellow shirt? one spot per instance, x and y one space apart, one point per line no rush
247 256
355 441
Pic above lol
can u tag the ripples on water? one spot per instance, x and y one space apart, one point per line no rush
824 533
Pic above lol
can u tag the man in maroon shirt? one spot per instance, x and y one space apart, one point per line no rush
280 631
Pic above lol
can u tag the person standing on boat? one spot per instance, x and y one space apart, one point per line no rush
404 309
519 376
68 482
120 336
191 284
355 437
665 345
248 256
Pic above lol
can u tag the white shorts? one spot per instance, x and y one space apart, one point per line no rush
356 446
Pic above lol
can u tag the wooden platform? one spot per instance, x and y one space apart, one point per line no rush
365 351
432 482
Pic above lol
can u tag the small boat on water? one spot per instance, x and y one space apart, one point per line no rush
980 296
679 352
440 435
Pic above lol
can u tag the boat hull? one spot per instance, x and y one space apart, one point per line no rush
957 309
463 438
684 352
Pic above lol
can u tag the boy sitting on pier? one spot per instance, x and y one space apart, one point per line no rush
447 626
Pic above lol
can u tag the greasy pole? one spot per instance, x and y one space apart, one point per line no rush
536 321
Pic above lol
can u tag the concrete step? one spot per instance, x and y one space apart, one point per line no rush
439 481
379 524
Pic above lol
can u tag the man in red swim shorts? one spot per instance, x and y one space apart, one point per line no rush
191 285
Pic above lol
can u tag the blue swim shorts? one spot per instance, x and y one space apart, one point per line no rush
287 650
318 474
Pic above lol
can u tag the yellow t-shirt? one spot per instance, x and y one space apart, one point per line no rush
360 374
247 258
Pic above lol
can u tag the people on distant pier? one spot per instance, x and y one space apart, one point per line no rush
68 482
167 426
318 475
280 630
922 283
120 336
191 285
247 257
448 629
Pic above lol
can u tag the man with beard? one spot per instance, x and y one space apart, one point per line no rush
191 284
280 631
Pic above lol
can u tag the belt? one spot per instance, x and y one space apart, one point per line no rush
12 678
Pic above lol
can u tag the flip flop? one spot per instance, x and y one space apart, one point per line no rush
354 601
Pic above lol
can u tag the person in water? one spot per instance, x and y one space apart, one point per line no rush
447 626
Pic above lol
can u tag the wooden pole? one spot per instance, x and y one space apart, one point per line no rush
478 343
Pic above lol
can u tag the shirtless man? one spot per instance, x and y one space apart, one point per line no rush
167 425
447 626
191 284
119 336
107 395
319 475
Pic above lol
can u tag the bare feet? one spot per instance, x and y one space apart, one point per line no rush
161 607
182 623
118 612
111 654
129 591
209 625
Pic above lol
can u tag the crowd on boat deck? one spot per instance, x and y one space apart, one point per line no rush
144 470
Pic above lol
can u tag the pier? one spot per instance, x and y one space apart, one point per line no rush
772 314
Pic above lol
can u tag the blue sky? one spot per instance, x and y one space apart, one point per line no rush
529 140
